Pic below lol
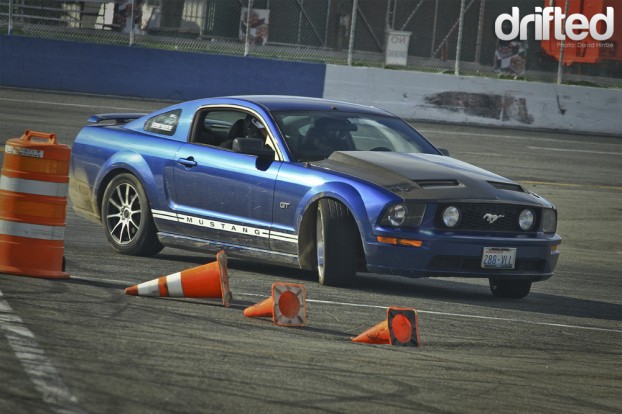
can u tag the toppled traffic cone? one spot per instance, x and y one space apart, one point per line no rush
287 305
400 328
206 281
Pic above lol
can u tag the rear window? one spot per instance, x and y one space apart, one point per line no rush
164 124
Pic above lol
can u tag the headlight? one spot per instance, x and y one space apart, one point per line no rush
451 216
526 219
397 214
549 220
403 215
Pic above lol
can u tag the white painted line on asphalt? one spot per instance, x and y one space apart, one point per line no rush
575 150
600 187
361 305
477 134
487 154
42 373
116 108
464 315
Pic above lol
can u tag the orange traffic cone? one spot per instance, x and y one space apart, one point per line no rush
206 281
400 328
287 305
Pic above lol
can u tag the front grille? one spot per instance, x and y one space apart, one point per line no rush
487 217
473 264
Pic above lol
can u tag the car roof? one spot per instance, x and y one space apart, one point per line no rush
294 103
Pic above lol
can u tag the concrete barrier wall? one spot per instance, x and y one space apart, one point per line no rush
479 101
178 76
148 73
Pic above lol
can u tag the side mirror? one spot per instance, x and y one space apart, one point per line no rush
252 146
444 151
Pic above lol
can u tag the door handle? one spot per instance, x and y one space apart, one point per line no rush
187 162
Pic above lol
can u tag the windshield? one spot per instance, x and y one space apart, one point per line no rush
314 135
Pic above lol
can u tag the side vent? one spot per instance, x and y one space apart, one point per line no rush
507 186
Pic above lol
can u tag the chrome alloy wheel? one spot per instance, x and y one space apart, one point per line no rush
319 246
124 213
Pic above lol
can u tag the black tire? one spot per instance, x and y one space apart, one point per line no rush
127 217
336 241
514 289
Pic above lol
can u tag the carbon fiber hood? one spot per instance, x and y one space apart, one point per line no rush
427 177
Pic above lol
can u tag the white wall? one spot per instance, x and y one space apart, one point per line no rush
479 101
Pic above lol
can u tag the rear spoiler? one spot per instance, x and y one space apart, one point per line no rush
122 118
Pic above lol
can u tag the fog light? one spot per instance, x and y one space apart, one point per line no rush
526 219
451 216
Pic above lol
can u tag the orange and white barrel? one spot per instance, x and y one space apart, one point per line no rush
33 202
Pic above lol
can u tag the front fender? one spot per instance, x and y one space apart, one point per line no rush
342 192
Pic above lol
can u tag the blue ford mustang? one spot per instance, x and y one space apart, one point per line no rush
311 183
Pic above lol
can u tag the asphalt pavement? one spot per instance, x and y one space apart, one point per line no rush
81 345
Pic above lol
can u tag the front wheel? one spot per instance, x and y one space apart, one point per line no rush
127 217
514 289
336 244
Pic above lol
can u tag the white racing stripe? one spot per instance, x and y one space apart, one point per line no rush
42 373
457 315
224 226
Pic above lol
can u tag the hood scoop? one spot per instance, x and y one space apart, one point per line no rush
423 176
507 186
437 184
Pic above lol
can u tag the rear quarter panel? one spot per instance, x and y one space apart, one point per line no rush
99 153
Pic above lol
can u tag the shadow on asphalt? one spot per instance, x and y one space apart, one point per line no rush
433 289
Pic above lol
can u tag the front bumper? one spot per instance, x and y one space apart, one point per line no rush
461 255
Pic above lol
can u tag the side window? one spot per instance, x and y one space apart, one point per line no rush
220 127
164 124
215 127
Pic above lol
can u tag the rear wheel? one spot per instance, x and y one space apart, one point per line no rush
336 244
515 289
127 217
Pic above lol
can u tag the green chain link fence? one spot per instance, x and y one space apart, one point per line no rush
449 36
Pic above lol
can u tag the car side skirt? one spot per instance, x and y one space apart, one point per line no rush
234 251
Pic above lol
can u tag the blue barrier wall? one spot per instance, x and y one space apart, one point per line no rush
149 73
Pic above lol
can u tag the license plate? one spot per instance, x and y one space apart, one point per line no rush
498 258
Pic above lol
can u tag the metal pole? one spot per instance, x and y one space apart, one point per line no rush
560 66
203 20
10 17
248 31
459 45
302 5
355 7
132 24
480 30
327 23
434 29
